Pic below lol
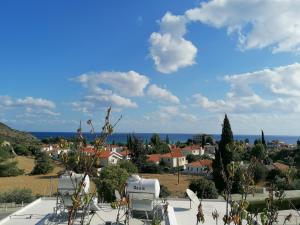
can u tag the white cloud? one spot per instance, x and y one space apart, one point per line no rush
258 23
167 113
280 86
30 105
169 49
162 94
106 89
128 83
38 102
111 100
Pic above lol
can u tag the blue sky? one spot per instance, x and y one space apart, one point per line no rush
166 66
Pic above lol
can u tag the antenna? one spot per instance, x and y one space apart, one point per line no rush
193 197
118 196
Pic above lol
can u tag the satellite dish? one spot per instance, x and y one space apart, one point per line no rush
192 196
118 196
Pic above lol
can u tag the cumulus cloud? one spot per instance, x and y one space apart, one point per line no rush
38 102
168 47
128 83
156 92
166 113
31 106
109 88
258 24
280 86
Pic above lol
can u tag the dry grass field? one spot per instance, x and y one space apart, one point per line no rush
170 181
39 184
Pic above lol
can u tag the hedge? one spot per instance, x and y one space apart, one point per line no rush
259 205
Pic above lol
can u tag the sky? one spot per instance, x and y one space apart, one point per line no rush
165 66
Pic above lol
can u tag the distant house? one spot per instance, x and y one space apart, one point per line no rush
174 159
108 157
193 149
104 157
209 149
280 166
115 148
155 158
125 154
46 148
201 167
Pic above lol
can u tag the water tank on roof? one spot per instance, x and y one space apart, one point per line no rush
136 184
70 181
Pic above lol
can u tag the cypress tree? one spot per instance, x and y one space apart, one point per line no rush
263 141
222 155
167 139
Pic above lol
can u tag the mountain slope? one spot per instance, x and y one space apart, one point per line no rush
17 137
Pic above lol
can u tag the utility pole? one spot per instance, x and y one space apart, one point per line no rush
177 170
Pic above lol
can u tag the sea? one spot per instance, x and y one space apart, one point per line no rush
173 137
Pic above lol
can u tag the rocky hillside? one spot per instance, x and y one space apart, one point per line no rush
17 137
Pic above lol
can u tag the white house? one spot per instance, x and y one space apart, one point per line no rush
193 149
174 159
201 167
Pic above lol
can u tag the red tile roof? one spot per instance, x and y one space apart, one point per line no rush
204 162
154 157
191 148
124 153
99 153
175 153
281 166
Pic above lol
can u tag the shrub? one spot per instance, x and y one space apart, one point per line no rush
21 150
273 174
205 188
164 191
128 166
111 178
260 172
43 164
285 204
8 167
150 167
17 195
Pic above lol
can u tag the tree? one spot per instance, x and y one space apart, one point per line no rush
8 166
205 188
21 150
155 140
137 151
43 164
263 141
167 140
203 141
111 178
259 152
260 172
223 155
128 166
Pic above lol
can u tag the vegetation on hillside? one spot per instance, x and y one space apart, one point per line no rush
15 137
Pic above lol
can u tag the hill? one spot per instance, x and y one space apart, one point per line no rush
17 137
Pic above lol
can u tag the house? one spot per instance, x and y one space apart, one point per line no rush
193 149
155 158
125 154
201 167
209 149
108 157
46 148
280 166
104 157
115 148
174 159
